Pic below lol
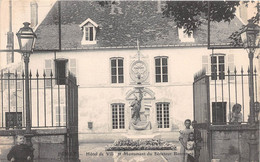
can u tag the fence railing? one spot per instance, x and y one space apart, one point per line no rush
48 99
225 89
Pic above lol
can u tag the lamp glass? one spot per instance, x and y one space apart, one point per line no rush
251 38
26 38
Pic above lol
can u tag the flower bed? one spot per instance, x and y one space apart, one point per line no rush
141 144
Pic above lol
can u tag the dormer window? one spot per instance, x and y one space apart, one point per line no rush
89 33
89 28
185 37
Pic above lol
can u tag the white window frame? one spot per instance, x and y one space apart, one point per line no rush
118 127
162 115
117 67
161 68
184 37
217 64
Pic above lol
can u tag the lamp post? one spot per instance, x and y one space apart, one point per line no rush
26 38
249 38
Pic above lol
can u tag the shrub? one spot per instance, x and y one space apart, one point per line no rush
140 144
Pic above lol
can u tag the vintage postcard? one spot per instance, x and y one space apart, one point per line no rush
129 81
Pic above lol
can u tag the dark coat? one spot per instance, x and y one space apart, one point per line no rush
20 153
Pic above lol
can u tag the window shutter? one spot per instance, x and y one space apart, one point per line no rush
48 69
73 66
205 63
231 65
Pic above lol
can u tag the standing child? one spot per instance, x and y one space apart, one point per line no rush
21 152
190 148
184 134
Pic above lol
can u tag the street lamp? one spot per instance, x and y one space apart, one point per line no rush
26 38
250 40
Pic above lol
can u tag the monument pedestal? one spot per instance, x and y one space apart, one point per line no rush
140 125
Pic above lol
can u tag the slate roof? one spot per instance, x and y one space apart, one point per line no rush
139 20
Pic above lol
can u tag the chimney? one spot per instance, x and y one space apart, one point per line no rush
34 13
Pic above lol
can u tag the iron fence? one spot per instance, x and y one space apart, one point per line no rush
215 95
50 99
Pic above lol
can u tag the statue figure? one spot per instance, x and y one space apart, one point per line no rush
136 105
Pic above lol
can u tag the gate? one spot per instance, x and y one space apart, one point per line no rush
72 118
201 114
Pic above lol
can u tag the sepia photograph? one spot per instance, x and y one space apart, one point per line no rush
129 81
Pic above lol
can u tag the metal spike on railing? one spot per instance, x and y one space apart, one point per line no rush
2 74
228 71
8 75
23 74
248 71
51 74
44 75
235 70
255 70
37 74
242 71
30 74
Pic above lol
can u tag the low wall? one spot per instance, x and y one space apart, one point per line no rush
231 145
46 147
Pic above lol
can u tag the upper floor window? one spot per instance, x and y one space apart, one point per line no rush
185 37
117 70
161 69
217 67
162 114
118 116
89 28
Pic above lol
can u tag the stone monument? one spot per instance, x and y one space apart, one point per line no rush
139 114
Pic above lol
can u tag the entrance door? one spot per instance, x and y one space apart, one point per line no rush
219 112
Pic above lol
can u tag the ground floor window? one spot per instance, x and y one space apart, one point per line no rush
162 115
219 112
118 116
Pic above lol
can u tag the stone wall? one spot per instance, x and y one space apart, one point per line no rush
46 147
231 145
